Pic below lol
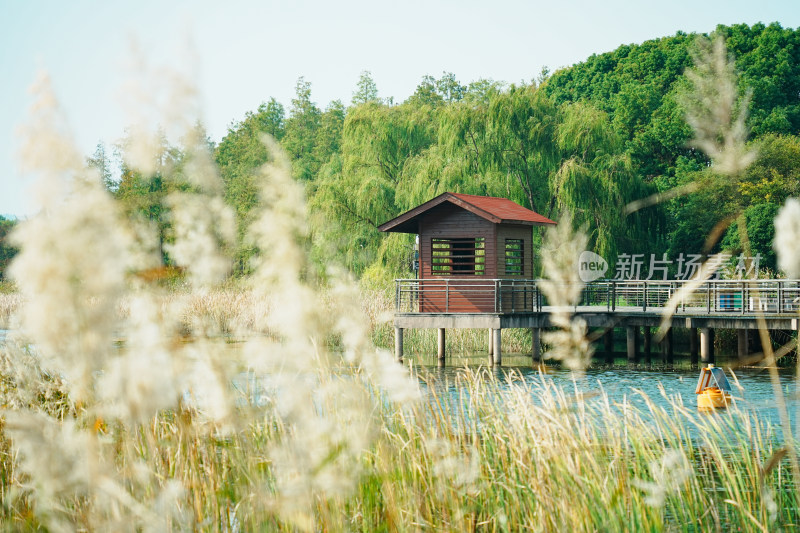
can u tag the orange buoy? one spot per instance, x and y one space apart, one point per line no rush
713 389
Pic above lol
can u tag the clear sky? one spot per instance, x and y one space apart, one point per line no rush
247 52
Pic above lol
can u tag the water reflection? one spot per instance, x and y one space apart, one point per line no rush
623 383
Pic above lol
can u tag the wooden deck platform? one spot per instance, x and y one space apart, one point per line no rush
605 305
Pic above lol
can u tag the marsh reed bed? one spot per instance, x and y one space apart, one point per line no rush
497 456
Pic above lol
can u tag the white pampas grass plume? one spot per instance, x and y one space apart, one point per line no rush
56 456
562 286
669 475
787 238
142 379
73 255
712 110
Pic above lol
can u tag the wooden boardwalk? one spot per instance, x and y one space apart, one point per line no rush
636 306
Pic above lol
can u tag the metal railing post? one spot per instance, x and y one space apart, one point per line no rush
525 296
447 296
613 295
644 296
538 299
742 297
780 297
673 288
499 290
580 298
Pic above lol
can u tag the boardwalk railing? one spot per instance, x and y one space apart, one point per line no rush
459 295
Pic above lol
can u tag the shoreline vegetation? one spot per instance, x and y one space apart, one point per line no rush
230 309
495 456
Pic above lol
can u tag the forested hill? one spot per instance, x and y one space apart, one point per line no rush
637 84
587 140
639 87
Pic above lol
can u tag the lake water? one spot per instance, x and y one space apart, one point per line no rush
621 381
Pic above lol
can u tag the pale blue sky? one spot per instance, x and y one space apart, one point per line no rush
249 51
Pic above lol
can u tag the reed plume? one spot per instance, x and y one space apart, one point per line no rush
562 286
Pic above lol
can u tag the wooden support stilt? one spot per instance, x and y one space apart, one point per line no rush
608 345
713 334
633 342
706 345
497 358
440 346
536 345
647 341
398 344
742 346
693 345
666 347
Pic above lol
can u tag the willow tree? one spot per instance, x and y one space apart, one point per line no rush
521 129
357 189
595 180
457 162
521 145
550 158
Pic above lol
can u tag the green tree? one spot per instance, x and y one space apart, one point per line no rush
238 155
7 252
596 179
142 197
300 135
328 140
481 91
760 220
426 94
775 175
449 88
366 90
765 186
357 190
636 85
522 128
101 162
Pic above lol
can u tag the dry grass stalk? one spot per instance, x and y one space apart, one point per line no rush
9 305
714 110
562 287
141 422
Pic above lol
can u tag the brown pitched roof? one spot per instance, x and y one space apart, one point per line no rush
495 210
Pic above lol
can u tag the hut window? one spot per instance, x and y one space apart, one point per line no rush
514 257
458 257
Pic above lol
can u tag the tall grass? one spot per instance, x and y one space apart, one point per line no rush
9 304
534 456
494 456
